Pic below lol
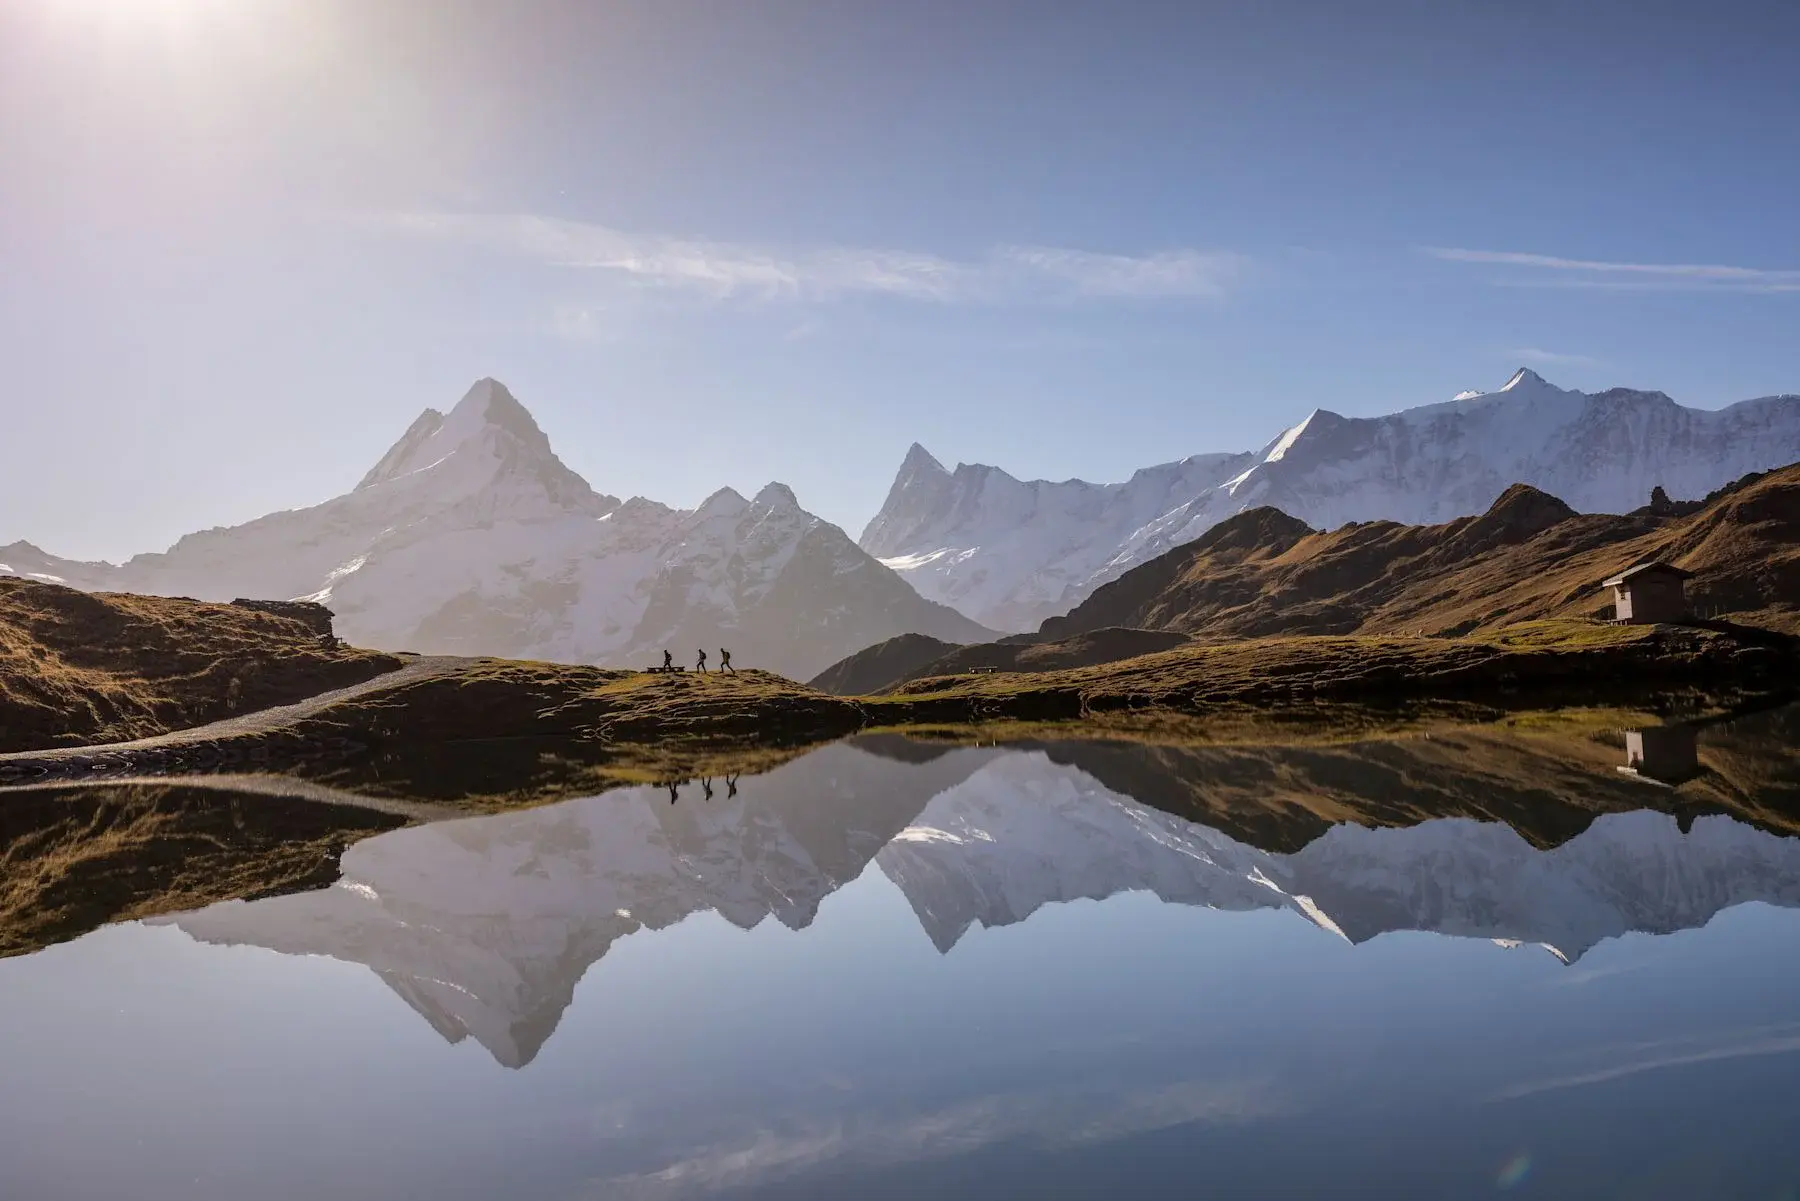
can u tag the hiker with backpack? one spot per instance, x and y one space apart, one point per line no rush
725 661
701 665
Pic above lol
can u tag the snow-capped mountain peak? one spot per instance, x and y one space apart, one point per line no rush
486 408
404 454
488 442
726 502
920 461
777 496
1526 377
1278 449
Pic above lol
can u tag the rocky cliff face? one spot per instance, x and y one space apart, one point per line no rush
1011 553
470 536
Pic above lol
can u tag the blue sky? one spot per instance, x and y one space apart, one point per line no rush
246 241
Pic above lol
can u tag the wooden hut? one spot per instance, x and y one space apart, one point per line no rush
1669 754
1649 592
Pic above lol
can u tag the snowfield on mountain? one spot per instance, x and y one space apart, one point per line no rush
470 536
1010 553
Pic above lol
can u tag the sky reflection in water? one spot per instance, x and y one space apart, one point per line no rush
983 975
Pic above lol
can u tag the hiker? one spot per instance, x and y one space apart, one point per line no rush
701 666
725 661
668 661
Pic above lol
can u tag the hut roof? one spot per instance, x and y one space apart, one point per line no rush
1642 569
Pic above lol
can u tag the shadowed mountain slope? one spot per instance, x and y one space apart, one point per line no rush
879 667
887 665
1528 557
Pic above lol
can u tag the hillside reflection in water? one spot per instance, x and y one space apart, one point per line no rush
861 975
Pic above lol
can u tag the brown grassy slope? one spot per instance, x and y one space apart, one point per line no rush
1528 557
881 666
1531 665
81 667
499 698
679 715
886 665
76 858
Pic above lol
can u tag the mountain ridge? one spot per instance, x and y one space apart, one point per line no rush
470 536
1011 553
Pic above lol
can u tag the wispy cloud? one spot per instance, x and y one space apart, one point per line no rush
1550 358
729 270
853 1135
1613 1063
1553 271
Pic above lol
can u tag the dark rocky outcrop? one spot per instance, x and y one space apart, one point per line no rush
313 616
1662 506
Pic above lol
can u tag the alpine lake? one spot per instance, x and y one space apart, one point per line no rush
1521 960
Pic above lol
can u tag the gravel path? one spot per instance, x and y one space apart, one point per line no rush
207 745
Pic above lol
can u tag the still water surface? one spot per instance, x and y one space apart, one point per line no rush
888 970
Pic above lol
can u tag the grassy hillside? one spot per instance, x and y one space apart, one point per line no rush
886 665
1529 557
879 667
1534 664
642 716
95 666
81 667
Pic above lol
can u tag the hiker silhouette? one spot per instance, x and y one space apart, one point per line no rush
725 661
701 666
668 661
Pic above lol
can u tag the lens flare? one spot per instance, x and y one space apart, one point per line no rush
1513 1173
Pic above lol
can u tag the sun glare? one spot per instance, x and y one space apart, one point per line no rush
166 20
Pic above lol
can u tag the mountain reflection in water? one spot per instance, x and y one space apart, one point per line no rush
485 925
1467 964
